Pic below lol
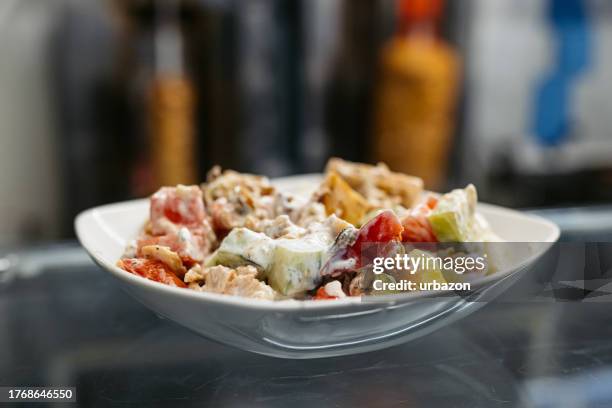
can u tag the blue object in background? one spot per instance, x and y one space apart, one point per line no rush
571 28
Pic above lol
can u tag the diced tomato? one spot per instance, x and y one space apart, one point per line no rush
182 205
173 215
322 294
385 227
417 229
382 229
416 225
152 270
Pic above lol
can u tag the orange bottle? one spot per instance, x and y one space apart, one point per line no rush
417 94
171 104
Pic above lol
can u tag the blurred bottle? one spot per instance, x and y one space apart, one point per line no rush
171 104
320 37
572 33
416 98
263 58
348 97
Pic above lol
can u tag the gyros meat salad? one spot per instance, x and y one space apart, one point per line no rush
239 235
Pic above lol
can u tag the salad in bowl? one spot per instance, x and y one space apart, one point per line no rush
240 235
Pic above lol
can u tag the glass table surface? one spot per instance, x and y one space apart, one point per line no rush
64 321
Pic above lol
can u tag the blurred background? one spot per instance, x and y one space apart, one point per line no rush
104 100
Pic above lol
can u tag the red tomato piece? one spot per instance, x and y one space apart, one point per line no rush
173 215
181 205
385 227
322 294
417 229
152 270
416 225
382 229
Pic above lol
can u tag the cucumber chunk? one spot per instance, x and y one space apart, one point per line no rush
296 265
453 218
244 247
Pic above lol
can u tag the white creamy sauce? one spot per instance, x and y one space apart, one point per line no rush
131 249
292 265
342 264
253 246
184 234
334 288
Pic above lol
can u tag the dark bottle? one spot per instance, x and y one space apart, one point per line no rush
349 93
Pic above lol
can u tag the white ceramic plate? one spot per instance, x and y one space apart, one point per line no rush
304 329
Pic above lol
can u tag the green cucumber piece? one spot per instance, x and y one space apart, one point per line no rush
296 265
446 227
244 247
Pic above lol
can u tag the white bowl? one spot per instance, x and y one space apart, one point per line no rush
304 329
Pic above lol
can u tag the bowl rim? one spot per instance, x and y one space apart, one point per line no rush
285 305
